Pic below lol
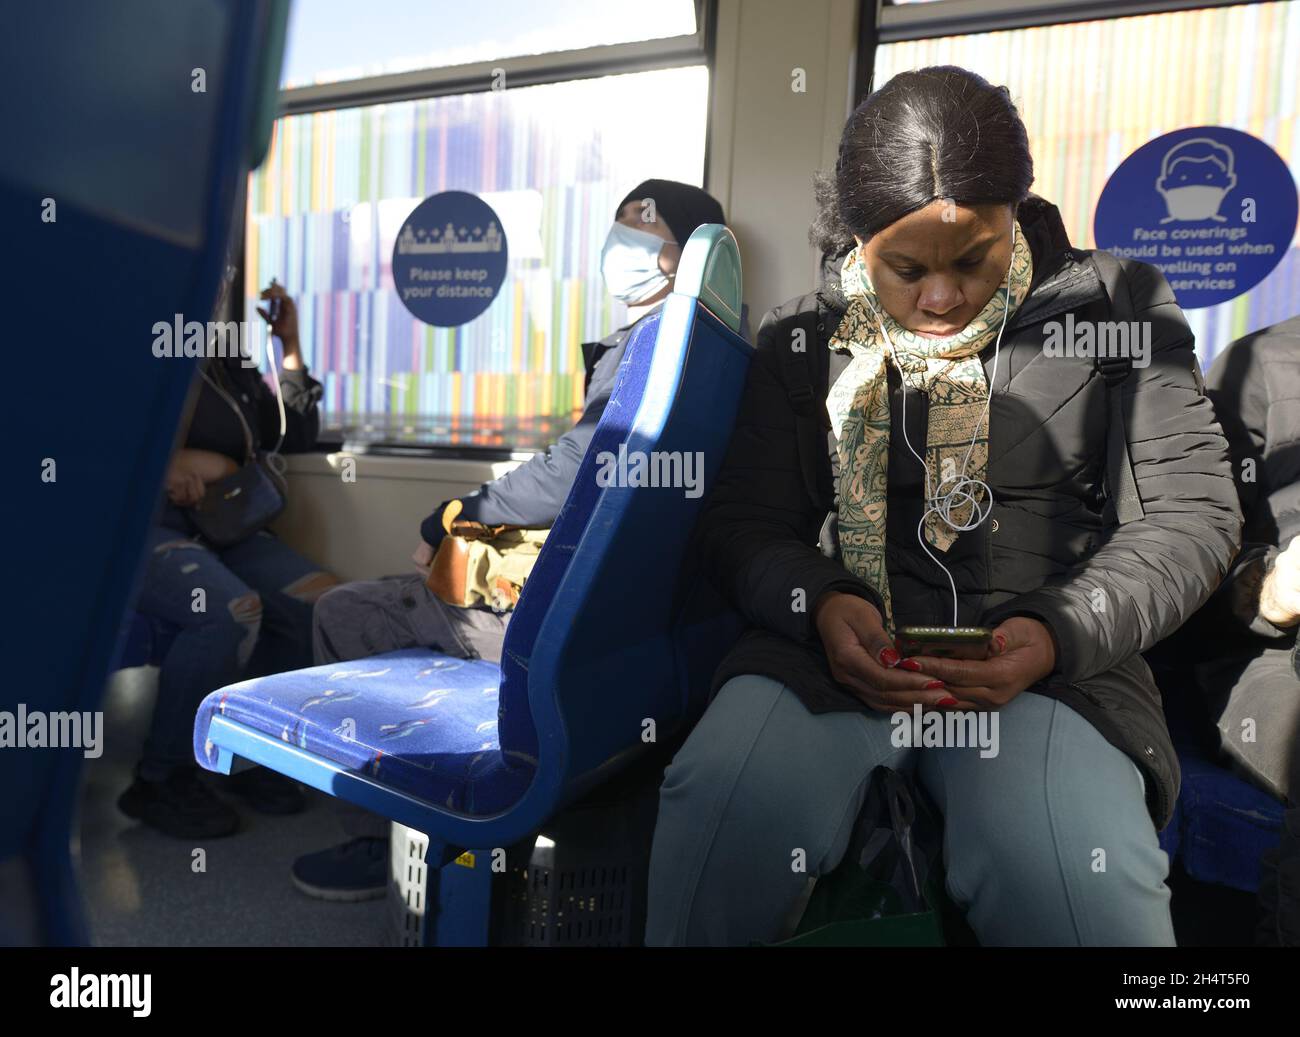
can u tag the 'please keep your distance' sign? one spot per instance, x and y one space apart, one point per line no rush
449 259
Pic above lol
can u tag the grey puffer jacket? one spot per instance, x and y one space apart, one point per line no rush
1255 387
1105 592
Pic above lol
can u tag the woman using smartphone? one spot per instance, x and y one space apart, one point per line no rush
236 610
918 401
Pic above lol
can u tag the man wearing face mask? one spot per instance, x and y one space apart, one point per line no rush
639 261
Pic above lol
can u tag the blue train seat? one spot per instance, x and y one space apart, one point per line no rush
1222 826
603 653
120 187
1222 823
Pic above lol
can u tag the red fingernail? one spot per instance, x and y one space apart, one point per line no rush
910 664
1002 643
934 686
949 701
888 657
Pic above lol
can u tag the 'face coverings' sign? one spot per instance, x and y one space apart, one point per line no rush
1213 208
449 259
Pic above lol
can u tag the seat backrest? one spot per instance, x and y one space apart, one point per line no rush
126 176
593 672
514 717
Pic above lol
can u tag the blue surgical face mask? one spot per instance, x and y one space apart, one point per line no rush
630 263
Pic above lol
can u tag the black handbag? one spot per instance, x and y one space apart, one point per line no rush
246 501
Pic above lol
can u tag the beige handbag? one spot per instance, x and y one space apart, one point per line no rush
478 564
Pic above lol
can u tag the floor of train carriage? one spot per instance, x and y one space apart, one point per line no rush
140 886
141 890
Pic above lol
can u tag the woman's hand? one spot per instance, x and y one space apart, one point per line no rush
1279 598
184 487
863 659
1022 653
285 325
191 470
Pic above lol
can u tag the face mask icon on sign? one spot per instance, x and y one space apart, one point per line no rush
1195 175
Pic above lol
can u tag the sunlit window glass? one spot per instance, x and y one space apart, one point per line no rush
553 161
333 41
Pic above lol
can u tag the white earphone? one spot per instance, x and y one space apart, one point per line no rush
961 490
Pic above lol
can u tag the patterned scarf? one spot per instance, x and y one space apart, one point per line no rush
949 372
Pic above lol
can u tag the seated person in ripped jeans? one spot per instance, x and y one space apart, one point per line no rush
369 617
257 595
1249 677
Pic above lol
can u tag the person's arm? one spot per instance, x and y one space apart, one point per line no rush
1152 573
758 533
1250 598
532 494
189 472
300 391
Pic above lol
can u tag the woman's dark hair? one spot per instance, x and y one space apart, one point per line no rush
940 132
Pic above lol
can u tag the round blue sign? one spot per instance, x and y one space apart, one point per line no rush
449 259
1212 207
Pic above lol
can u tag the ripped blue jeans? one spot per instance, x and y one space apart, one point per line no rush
241 612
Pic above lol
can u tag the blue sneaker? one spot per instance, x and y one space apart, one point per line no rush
357 870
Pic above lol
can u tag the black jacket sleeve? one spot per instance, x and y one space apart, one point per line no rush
532 494
759 532
302 418
1153 573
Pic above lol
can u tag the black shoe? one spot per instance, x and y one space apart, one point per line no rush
267 792
180 805
357 870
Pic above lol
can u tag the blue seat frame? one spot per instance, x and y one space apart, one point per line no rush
606 643
124 202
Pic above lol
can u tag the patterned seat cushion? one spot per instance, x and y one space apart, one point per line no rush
414 720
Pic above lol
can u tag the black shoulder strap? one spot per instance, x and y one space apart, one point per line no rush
1124 502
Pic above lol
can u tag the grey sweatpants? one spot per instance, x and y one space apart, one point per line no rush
1047 843
369 617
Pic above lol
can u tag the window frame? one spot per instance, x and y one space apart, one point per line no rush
526 70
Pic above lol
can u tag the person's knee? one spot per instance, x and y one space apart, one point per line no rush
709 756
1081 860
244 615
330 607
309 589
762 796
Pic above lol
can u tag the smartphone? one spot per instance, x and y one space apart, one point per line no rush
944 642
273 306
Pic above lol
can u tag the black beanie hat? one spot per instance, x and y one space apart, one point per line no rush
681 206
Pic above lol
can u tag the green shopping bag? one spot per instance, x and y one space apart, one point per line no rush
889 889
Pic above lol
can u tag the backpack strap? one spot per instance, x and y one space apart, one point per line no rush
1123 502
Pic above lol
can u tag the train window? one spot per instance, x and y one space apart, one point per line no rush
553 159
1092 92
335 40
